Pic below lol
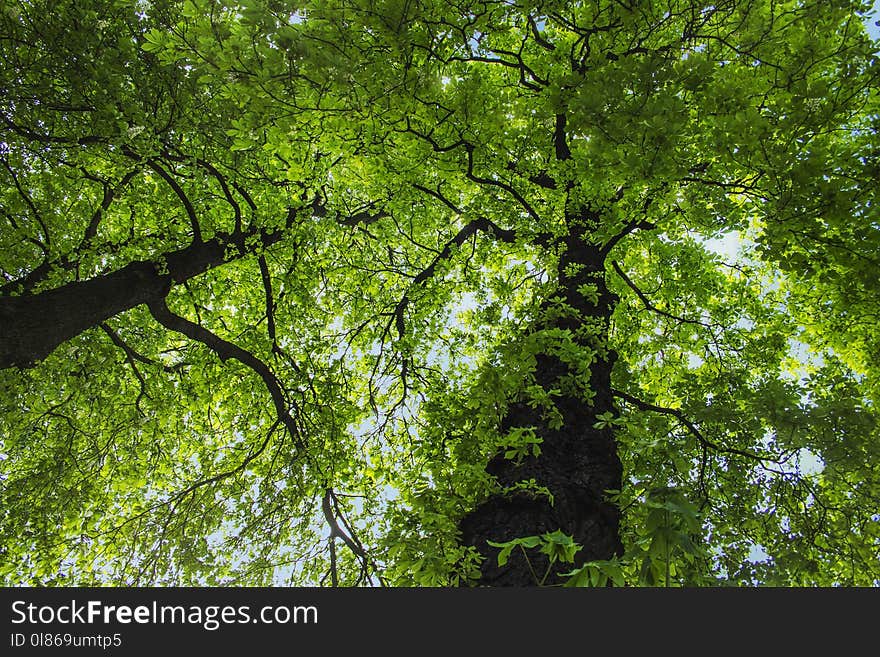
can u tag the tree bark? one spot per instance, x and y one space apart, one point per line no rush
578 463
32 326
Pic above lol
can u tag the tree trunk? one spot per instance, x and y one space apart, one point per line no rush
577 462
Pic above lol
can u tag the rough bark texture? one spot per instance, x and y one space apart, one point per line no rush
32 326
577 463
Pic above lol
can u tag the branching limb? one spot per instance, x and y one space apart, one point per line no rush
397 316
333 515
627 230
107 200
130 357
30 135
334 574
192 488
362 217
132 354
482 224
690 426
221 180
647 302
440 196
560 140
175 500
270 302
536 35
327 504
226 350
469 149
68 261
29 281
45 244
429 138
178 190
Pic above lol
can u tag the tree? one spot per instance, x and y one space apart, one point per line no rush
426 293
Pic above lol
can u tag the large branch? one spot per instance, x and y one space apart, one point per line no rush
226 350
32 326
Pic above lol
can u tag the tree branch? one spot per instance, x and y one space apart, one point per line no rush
469 149
132 353
107 200
270 302
226 350
628 229
332 514
29 134
178 190
469 230
33 325
647 302
129 356
43 245
687 424
560 140
221 180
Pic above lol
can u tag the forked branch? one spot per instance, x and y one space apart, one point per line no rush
226 350
689 425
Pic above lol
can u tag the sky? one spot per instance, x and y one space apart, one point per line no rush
873 28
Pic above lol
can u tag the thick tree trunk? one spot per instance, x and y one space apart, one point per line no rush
577 463
32 326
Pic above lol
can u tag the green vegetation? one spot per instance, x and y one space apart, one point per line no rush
428 292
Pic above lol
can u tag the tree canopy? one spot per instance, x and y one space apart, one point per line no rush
434 292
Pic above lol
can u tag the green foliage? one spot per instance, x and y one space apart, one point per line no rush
558 546
393 186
